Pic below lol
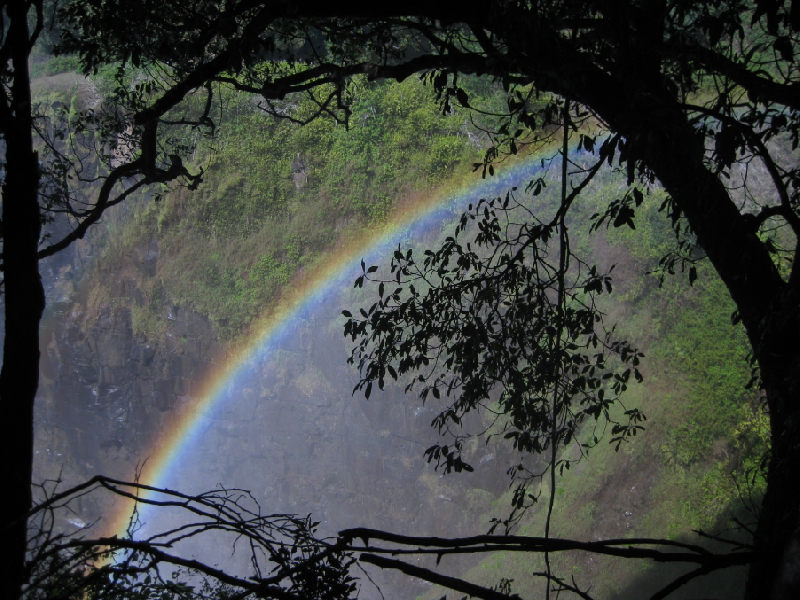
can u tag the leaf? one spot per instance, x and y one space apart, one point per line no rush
625 217
715 29
725 145
372 269
631 167
347 314
784 47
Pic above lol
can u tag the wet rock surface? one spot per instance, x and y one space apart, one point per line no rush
289 430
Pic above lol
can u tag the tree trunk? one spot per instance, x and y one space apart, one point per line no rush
769 310
776 575
768 306
24 303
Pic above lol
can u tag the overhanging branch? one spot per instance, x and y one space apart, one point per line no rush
453 583
623 548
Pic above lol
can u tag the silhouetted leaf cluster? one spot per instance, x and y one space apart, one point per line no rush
478 324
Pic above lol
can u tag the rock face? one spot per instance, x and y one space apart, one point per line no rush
289 429
104 393
107 394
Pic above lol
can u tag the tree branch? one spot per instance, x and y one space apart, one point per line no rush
759 88
165 557
453 583
490 543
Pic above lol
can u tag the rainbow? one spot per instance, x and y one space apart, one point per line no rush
306 292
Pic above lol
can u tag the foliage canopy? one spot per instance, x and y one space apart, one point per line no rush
702 97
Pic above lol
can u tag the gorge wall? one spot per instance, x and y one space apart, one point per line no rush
291 433
142 309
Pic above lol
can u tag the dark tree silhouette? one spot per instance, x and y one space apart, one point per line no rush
696 91
287 560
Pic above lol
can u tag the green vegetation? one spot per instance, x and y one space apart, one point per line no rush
636 69
228 248
48 65
699 464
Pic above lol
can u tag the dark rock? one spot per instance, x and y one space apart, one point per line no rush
290 429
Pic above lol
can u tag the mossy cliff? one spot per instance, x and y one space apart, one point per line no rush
164 290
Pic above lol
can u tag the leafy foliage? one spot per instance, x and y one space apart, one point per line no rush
230 247
700 95
507 322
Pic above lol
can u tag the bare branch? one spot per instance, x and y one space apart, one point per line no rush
453 583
